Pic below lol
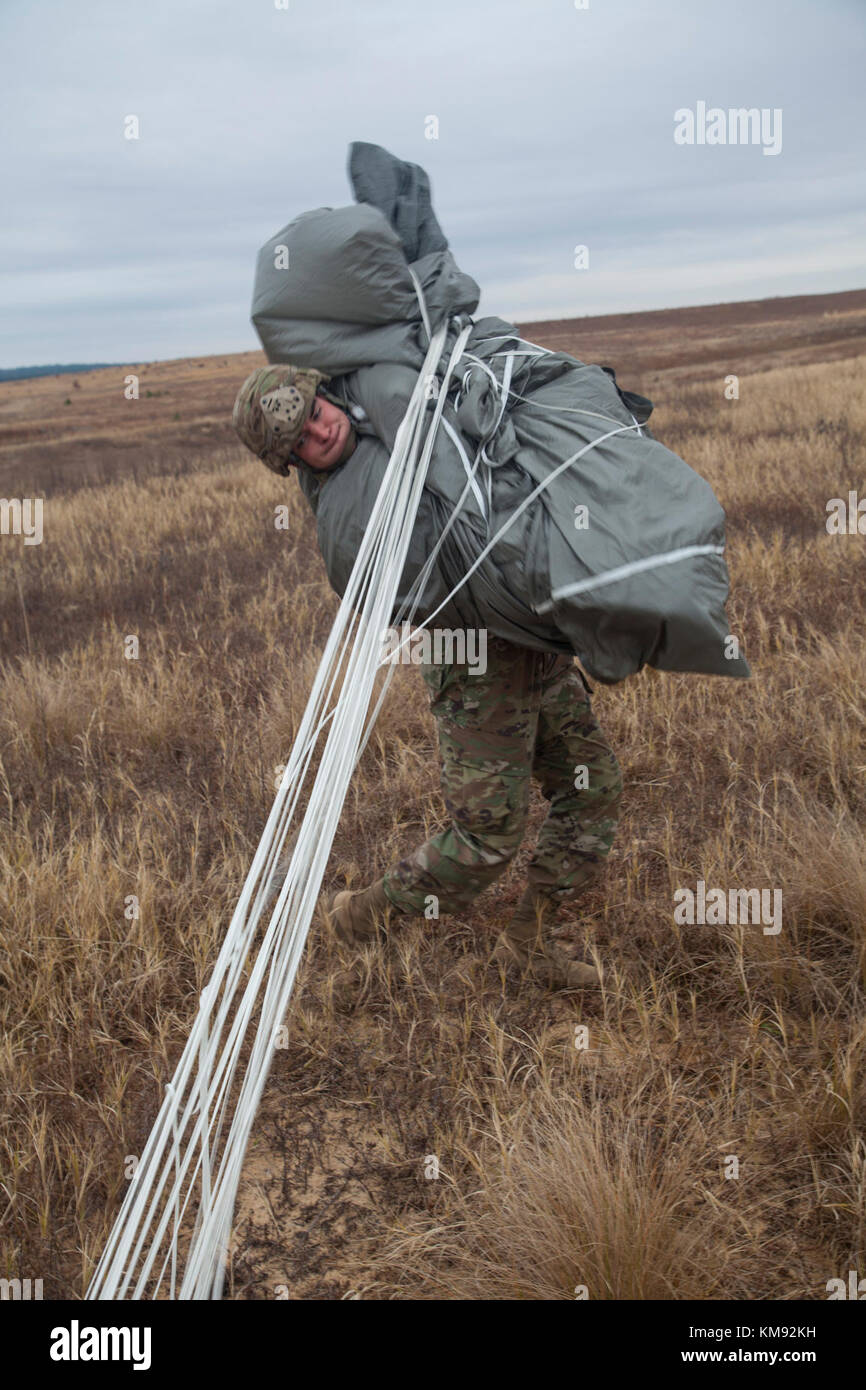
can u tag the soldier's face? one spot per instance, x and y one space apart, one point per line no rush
328 437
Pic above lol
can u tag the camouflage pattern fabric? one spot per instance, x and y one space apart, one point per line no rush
271 409
528 715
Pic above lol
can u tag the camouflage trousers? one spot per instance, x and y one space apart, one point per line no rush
528 715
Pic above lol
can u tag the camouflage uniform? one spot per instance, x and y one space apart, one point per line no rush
529 714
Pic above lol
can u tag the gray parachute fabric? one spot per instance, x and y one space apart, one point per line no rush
617 556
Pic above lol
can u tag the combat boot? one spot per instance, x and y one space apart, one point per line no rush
526 943
359 918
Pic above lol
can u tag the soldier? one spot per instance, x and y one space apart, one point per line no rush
529 714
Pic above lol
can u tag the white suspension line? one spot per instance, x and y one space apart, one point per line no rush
623 429
649 562
182 1162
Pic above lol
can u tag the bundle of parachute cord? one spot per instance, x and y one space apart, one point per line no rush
182 1195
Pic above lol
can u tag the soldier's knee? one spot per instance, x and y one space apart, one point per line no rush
492 840
604 781
597 783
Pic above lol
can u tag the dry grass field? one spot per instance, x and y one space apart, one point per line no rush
559 1167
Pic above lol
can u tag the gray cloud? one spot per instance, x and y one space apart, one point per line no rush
555 128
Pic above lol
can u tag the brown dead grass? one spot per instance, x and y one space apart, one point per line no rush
559 1168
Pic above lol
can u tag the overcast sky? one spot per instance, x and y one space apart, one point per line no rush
555 129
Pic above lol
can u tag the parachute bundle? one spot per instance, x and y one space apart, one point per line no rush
366 282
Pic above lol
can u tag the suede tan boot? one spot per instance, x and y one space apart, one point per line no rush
526 943
359 917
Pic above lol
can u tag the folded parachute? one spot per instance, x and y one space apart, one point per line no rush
617 557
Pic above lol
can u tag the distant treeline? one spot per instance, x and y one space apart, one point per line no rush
14 373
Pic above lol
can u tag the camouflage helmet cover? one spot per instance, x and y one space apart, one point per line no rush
271 409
